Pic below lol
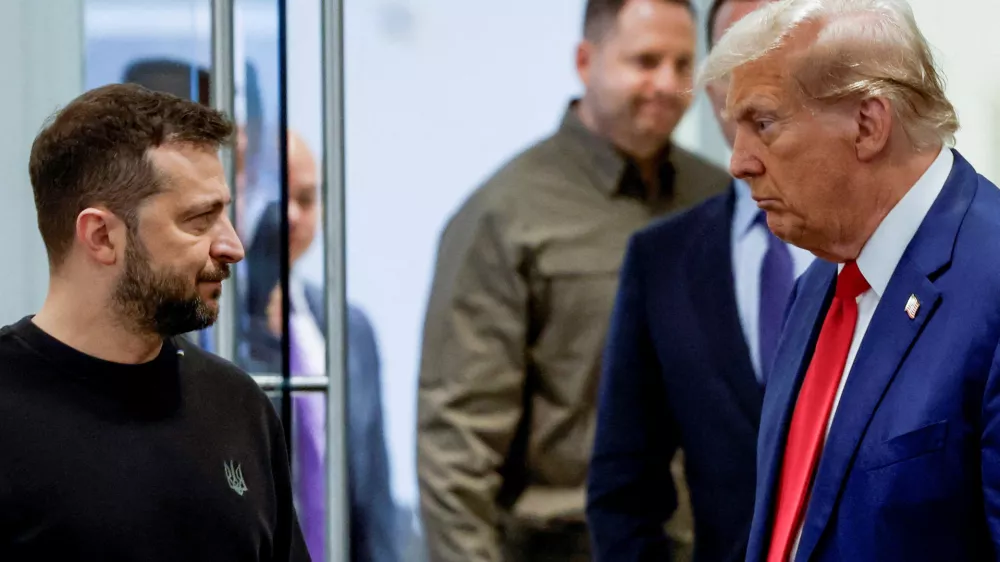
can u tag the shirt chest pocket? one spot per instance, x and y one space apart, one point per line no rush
906 446
576 288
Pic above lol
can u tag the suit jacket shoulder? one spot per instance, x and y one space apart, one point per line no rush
516 187
522 175
698 175
688 228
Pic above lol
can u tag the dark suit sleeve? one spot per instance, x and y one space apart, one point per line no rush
261 350
990 444
373 513
289 543
630 490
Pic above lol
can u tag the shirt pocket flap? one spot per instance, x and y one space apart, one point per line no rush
912 444
580 262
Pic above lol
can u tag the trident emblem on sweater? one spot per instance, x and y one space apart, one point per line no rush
234 475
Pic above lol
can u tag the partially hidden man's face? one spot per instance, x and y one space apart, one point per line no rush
639 75
728 14
303 204
180 246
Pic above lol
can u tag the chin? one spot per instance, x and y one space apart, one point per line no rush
657 130
209 312
801 239
796 241
793 236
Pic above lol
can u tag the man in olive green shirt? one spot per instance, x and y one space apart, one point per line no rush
523 290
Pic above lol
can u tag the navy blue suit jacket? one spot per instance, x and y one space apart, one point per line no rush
373 513
911 468
677 372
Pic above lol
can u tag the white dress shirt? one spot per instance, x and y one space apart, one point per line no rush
749 244
308 335
878 261
312 353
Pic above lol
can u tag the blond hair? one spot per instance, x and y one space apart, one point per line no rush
859 49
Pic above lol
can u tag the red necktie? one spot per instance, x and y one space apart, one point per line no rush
812 410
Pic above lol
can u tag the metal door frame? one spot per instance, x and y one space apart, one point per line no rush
223 99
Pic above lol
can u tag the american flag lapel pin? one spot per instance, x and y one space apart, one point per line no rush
912 307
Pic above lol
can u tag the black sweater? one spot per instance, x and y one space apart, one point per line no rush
180 458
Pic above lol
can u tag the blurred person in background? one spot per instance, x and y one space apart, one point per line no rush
373 514
695 327
525 280
131 443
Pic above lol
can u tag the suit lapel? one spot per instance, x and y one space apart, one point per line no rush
877 362
887 341
814 292
717 312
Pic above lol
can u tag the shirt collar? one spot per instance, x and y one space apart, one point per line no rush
745 210
297 293
882 252
612 170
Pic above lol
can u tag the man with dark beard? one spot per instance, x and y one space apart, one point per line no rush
123 442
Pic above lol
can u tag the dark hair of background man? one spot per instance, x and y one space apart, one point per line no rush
713 12
600 16
94 152
171 77
175 77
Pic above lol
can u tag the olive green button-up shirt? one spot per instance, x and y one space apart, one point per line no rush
525 282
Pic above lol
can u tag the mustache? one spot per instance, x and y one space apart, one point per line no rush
217 275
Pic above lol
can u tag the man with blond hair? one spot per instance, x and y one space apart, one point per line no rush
880 432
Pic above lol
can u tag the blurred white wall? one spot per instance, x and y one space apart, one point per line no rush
962 34
41 69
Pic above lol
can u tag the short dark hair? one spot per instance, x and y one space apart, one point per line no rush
713 13
94 152
600 15
172 77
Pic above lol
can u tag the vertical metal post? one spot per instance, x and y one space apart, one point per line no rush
338 519
283 250
223 99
